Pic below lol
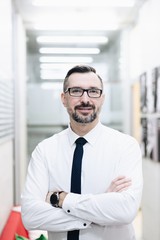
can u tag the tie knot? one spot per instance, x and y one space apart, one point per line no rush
81 141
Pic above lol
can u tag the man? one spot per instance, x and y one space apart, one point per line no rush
111 172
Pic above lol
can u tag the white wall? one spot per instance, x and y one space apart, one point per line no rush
44 104
6 147
144 56
13 77
145 39
6 173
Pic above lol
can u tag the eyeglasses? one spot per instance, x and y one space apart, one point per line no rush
78 92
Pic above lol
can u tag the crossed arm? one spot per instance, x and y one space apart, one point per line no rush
85 209
119 184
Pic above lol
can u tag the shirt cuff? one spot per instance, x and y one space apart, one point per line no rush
69 206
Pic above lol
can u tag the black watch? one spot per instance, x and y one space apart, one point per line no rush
54 199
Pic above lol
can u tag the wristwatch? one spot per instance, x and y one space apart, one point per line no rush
54 199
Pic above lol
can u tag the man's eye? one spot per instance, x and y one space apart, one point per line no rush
93 90
76 90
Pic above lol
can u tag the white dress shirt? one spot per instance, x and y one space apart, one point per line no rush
99 215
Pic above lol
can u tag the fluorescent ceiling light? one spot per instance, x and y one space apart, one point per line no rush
63 66
84 3
53 71
74 27
72 39
51 86
69 50
51 76
66 59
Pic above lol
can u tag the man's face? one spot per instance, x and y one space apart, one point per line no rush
83 109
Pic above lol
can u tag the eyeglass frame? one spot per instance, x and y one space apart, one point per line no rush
84 90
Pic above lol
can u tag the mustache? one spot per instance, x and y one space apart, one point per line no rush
85 105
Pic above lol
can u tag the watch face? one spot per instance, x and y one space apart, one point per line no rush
54 199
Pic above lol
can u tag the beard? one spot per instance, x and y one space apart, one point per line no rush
84 119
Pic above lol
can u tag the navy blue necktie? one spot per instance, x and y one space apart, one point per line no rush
76 177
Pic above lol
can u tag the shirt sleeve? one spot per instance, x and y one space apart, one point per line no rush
112 208
38 214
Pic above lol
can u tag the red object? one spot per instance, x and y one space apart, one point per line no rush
14 226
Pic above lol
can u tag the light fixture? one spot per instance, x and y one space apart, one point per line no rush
51 75
84 3
112 26
72 39
65 59
69 50
64 66
51 86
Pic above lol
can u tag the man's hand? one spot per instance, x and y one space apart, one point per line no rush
61 198
119 184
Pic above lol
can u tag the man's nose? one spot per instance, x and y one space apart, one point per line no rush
85 97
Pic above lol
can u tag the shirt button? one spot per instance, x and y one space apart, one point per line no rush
68 211
84 224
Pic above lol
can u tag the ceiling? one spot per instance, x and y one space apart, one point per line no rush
75 18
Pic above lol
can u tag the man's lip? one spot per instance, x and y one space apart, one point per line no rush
84 109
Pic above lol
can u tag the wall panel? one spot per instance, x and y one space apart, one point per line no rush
6 110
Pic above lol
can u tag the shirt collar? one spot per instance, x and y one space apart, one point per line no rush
91 136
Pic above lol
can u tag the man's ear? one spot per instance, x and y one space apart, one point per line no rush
103 98
63 99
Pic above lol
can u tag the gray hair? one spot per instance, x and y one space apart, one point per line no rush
79 69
